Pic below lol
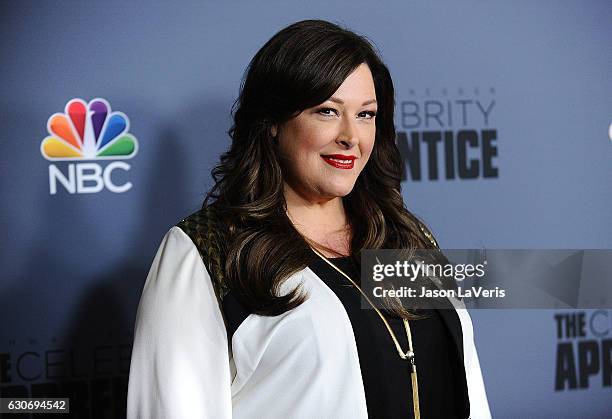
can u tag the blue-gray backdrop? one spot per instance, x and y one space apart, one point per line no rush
508 103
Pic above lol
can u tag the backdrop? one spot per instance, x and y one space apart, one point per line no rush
503 118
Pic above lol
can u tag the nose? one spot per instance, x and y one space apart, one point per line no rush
347 137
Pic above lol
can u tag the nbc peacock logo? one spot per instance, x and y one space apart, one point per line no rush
85 132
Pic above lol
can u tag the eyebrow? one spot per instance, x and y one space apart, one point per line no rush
340 101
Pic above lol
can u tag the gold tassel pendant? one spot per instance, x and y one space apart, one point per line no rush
415 393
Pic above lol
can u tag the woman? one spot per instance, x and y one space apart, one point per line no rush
252 305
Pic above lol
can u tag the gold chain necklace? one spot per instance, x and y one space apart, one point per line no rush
409 354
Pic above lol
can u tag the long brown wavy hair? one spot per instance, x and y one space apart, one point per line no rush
257 245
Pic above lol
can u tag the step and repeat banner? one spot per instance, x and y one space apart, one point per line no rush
503 116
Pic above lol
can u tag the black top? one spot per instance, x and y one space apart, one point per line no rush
386 377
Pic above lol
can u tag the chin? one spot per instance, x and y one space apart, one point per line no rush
341 190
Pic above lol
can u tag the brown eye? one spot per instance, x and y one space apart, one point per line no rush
327 111
368 114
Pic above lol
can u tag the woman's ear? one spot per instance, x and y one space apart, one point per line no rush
274 130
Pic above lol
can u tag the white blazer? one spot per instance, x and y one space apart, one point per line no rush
300 364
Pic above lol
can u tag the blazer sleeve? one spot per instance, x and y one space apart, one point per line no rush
180 360
479 405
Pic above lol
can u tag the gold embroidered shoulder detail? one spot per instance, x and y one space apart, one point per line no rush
201 229
429 236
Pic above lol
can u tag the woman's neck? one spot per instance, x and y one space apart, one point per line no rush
323 221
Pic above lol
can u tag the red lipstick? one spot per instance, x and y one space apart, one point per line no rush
340 160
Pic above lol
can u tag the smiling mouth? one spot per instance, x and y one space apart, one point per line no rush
340 161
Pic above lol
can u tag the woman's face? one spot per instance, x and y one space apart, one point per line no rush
325 148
